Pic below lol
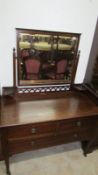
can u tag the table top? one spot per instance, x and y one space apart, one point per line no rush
72 105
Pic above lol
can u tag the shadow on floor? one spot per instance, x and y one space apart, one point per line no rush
46 152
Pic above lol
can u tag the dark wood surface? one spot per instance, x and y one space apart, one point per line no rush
73 105
34 124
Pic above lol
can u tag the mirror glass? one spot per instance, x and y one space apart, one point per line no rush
45 57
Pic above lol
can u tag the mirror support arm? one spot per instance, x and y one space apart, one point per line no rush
14 68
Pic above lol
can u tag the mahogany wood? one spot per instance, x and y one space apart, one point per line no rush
14 68
34 124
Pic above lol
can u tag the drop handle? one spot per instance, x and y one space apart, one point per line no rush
33 130
33 143
78 123
55 134
75 135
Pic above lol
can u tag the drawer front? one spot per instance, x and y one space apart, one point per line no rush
19 145
66 126
30 144
31 130
85 134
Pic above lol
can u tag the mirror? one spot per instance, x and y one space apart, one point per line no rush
46 57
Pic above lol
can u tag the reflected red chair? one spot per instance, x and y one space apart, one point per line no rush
59 71
32 67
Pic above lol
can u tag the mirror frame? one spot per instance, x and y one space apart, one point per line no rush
47 82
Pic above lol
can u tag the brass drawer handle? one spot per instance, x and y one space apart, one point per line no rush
33 143
33 130
78 123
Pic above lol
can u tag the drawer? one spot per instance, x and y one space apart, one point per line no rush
68 125
84 134
30 144
22 145
31 130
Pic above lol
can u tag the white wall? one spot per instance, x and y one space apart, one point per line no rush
58 15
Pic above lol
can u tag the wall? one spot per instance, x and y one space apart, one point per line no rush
57 15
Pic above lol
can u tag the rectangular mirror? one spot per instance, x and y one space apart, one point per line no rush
46 57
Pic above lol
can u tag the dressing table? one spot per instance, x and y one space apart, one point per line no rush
44 115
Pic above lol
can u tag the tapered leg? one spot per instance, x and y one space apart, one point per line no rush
87 147
7 166
5 149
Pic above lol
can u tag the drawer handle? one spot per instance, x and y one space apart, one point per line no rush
75 135
33 130
78 123
32 143
55 134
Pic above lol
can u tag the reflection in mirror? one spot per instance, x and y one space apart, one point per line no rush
45 57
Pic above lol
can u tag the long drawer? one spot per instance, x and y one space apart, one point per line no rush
31 130
30 144
56 127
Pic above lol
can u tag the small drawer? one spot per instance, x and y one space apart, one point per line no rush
69 125
31 130
83 134
77 124
89 122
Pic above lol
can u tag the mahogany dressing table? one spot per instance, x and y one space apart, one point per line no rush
29 125
42 115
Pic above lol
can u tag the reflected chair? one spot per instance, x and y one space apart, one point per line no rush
32 67
59 71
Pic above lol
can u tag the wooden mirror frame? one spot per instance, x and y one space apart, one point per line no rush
44 83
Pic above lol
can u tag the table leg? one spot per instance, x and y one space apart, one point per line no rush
5 149
7 166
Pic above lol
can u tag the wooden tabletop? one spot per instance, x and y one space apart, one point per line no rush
73 105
